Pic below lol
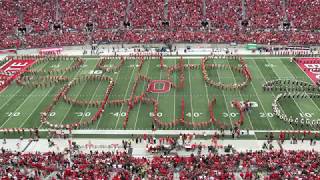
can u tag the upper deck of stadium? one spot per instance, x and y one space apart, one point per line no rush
34 23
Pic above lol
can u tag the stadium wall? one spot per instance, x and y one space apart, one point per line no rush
126 49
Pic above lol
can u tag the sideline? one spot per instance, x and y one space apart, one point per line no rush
164 132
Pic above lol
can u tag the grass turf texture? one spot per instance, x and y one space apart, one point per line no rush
21 106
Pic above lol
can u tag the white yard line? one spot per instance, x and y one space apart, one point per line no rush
262 105
95 91
36 108
116 80
303 71
159 79
256 94
101 117
79 72
207 94
158 132
17 109
292 76
11 98
134 67
135 124
202 56
307 96
39 105
14 95
190 93
266 81
224 97
311 80
235 81
174 94
75 97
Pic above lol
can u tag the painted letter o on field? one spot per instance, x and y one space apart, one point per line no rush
166 86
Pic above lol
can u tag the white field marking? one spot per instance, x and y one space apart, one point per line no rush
95 91
158 65
190 92
256 94
199 57
224 97
119 95
23 104
303 71
55 66
309 79
35 108
174 94
266 81
134 66
135 124
307 96
269 65
86 110
17 110
126 93
11 98
261 57
262 106
16 93
81 70
207 94
235 81
109 65
163 86
83 66
158 132
39 105
207 91
94 95
292 76
75 97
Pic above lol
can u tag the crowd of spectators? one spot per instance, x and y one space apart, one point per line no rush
265 14
146 14
8 18
119 165
303 14
9 24
33 23
76 14
37 14
110 14
55 39
185 14
228 16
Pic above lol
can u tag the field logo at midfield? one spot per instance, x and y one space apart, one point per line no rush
311 66
11 70
154 84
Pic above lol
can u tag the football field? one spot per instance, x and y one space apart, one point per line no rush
23 104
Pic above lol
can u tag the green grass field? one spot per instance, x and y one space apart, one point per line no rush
21 106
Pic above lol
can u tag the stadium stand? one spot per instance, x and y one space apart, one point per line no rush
265 14
57 23
146 14
53 23
185 14
99 165
303 14
37 15
228 14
